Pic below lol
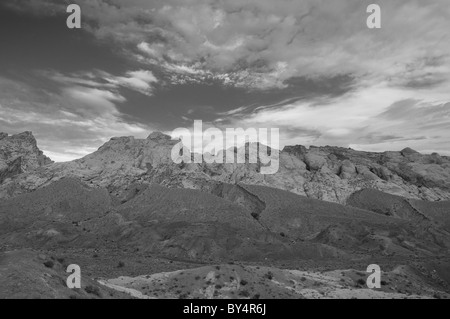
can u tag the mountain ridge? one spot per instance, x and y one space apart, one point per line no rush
326 173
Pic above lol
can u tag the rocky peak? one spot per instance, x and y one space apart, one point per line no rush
408 151
129 156
327 173
18 154
158 136
298 150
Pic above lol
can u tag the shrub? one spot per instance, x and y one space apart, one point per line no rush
49 264
121 264
269 275
243 282
93 290
361 282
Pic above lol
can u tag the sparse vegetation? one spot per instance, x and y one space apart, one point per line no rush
93 290
361 282
269 275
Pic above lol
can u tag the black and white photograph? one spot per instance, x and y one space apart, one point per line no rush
224 153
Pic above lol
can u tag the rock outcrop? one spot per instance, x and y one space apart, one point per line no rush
326 173
19 154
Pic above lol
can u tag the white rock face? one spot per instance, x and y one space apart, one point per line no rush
326 173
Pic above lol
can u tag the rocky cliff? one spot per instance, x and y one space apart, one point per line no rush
327 173
19 154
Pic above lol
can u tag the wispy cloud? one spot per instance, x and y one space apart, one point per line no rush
69 125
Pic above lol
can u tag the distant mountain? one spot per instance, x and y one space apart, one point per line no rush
326 173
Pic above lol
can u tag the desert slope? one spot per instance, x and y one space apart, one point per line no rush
254 282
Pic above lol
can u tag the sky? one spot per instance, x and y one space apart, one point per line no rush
311 68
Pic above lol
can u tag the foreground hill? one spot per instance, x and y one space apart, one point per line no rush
254 282
325 173
417 211
26 274
238 222
179 223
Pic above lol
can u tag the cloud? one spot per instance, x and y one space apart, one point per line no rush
376 118
261 45
310 67
67 126
255 44
139 81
